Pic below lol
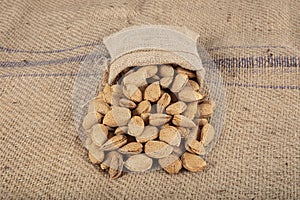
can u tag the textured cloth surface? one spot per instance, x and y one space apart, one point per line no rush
255 44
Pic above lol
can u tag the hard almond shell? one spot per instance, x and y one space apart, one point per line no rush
99 106
114 143
195 146
207 134
157 149
176 108
171 164
163 102
90 119
184 132
145 117
143 107
165 70
189 95
112 94
149 133
99 134
152 92
165 82
121 130
170 135
192 162
135 126
116 165
127 103
159 119
200 121
194 85
180 120
179 150
96 157
137 78
117 116
131 148
179 82
149 70
189 73
138 163
191 110
205 109
132 92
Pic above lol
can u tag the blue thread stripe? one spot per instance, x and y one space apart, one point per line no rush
9 50
282 87
245 62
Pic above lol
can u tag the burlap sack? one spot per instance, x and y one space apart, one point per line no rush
254 44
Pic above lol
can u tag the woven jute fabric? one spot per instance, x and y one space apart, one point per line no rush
255 45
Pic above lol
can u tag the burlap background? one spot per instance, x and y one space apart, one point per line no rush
254 43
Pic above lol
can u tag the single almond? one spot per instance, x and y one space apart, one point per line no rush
184 132
192 162
145 117
176 108
207 134
165 82
100 97
98 105
137 78
205 109
138 163
112 94
149 70
131 148
152 92
171 164
155 78
165 70
157 149
114 143
135 126
170 135
194 85
179 82
189 95
117 116
179 150
143 107
127 103
116 165
121 130
132 92
191 110
180 120
200 121
99 134
96 157
189 73
195 146
149 133
90 119
163 102
159 119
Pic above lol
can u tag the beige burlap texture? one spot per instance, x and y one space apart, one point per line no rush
255 44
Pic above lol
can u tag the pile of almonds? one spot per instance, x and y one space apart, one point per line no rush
156 115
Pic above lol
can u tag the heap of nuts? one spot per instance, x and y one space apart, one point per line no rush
156 115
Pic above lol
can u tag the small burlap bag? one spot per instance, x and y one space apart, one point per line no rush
254 44
149 45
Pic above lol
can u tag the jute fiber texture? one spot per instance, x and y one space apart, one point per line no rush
255 45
